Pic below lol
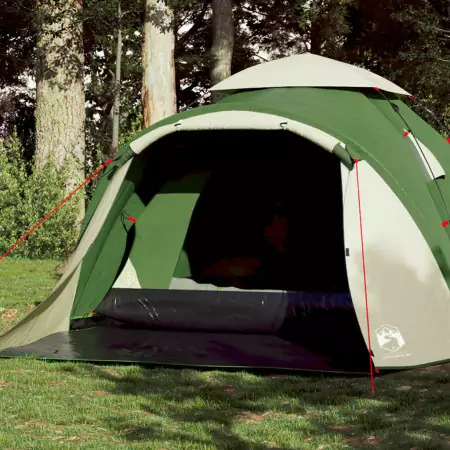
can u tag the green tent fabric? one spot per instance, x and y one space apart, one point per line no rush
161 231
134 237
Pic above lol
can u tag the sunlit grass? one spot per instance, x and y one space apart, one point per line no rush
48 405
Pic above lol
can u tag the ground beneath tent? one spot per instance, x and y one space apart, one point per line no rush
104 344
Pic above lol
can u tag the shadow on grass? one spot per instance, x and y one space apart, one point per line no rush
245 411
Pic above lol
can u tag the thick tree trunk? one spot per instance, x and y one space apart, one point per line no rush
158 84
116 108
60 99
222 42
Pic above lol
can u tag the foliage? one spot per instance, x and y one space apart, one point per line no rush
101 23
26 196
17 112
13 179
17 46
284 27
407 42
17 41
132 126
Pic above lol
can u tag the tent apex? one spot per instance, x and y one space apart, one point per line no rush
306 70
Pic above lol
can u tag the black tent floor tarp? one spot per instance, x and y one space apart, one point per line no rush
169 348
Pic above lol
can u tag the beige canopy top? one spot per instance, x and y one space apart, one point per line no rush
305 70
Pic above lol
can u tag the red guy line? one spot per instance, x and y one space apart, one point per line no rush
372 381
109 161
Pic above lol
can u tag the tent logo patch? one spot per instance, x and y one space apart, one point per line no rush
129 279
389 338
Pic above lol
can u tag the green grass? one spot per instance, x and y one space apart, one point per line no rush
23 284
45 405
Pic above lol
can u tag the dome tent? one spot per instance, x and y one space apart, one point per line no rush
272 229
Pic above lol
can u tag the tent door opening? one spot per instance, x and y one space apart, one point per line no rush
270 219
263 252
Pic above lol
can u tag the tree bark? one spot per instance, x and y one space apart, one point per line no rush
117 81
222 42
159 83
60 98
316 38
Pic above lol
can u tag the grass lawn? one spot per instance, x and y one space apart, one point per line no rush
47 405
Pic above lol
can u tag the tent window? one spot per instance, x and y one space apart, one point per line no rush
430 163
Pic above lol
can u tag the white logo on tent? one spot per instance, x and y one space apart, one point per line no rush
130 279
389 338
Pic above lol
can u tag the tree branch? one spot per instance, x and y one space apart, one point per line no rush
196 25
442 30
256 13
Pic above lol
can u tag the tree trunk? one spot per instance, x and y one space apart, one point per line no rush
222 42
316 38
159 84
116 108
60 99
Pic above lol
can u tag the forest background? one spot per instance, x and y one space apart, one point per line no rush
79 78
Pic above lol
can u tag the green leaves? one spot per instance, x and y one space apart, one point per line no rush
25 198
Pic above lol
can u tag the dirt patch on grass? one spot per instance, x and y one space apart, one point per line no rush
361 441
7 319
100 393
76 431
112 374
61 438
7 315
34 423
341 427
248 417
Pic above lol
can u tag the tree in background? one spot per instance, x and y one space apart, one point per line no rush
17 49
158 65
49 50
104 26
404 41
176 49
222 42
408 43
117 82
60 100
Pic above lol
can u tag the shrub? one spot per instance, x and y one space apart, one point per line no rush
27 196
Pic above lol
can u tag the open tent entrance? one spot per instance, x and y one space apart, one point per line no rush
268 218
242 233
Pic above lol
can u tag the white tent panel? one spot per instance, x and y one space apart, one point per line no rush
408 298
306 70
